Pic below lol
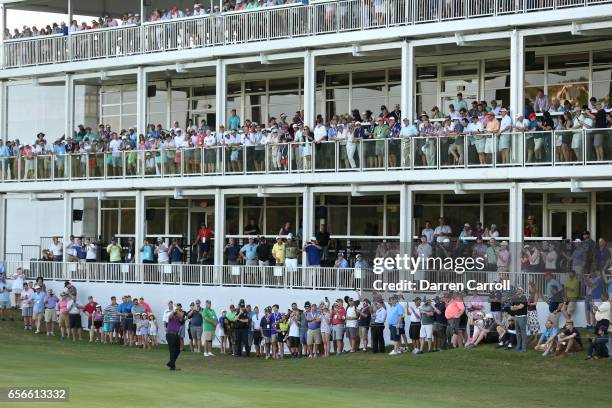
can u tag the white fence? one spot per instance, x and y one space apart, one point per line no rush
256 276
282 22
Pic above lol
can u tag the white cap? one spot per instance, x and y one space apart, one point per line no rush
289 236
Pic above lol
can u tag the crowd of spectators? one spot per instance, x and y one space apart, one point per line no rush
488 130
134 19
450 320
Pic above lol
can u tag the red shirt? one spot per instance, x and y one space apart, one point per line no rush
338 315
89 308
205 233
146 306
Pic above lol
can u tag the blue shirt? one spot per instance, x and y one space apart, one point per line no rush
125 308
313 255
39 302
234 122
598 287
147 253
5 295
313 325
395 314
548 333
381 316
250 251
549 284
274 318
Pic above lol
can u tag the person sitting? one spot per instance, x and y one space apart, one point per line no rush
507 334
570 338
547 340
598 347
488 332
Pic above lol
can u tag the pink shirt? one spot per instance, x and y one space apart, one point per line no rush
63 306
454 309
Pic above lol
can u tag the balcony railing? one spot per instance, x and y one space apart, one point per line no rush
530 149
240 27
257 276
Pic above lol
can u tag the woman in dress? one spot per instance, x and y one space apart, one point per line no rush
325 328
533 324
153 329
18 279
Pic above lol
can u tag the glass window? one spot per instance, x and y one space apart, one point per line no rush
110 224
393 219
395 75
282 84
111 110
427 72
562 61
338 219
336 199
128 221
457 215
129 96
602 57
366 220
128 203
430 87
536 65
234 87
497 66
204 91
459 85
277 216
498 215
460 70
562 77
231 220
109 97
576 93
368 77
109 204
255 86
178 222
425 102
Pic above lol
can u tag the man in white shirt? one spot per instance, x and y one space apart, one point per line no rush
406 132
428 232
505 137
55 247
494 108
161 249
442 232
90 248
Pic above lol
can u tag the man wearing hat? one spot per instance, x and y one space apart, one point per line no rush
341 261
291 253
51 302
161 250
249 252
114 250
313 252
38 307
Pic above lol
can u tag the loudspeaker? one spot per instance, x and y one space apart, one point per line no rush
77 215
151 91
529 58
320 212
149 214
418 211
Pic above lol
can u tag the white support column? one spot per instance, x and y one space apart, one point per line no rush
310 88
407 87
516 225
219 226
3 110
69 12
517 73
221 99
141 101
2 227
406 216
307 218
67 221
69 105
2 28
140 224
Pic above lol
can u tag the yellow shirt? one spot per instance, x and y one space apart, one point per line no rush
278 252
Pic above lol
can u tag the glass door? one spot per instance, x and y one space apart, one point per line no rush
567 223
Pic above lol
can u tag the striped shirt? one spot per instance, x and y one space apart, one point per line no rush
113 312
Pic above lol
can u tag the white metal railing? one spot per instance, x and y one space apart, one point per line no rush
321 278
289 21
461 151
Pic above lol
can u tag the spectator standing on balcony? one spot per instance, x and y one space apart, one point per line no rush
249 252
598 116
460 103
278 251
252 228
232 252
55 248
147 251
204 237
313 252
264 252
380 133
505 136
602 257
532 229
176 252
503 258
323 239
443 232
291 252
542 102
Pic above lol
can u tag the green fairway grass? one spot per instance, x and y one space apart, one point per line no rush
112 376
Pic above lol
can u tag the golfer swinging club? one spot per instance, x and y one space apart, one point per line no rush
175 320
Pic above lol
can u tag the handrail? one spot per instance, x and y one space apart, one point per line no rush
422 152
293 20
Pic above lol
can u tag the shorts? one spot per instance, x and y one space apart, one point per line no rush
267 339
5 304
209 335
257 338
426 331
63 321
204 246
38 315
363 332
303 336
393 333
234 155
352 332
453 324
313 336
274 337
113 327
196 331
402 331
75 321
338 331
439 329
181 332
26 311
127 324
294 341
50 315
570 307
491 337
97 324
414 331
